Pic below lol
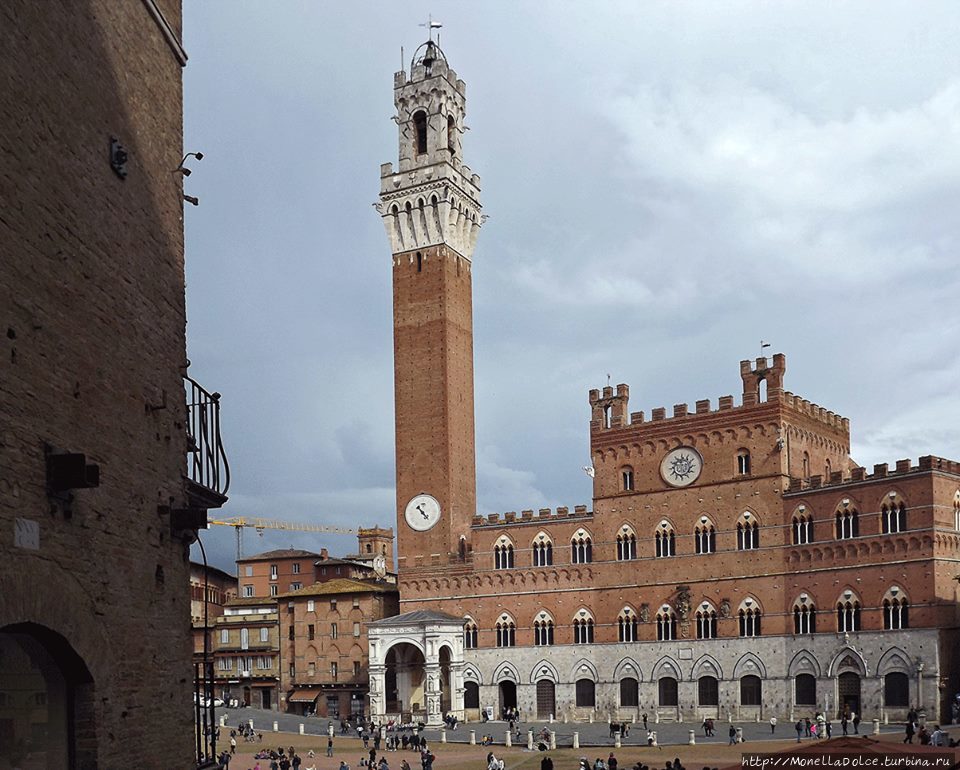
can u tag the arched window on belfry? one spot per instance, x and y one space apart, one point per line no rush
581 546
627 625
847 520
848 612
895 607
503 553
804 615
542 550
543 629
626 479
748 532
626 543
749 615
743 462
665 539
893 514
806 465
583 627
706 621
420 132
704 536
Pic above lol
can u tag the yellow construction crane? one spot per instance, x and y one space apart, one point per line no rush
239 523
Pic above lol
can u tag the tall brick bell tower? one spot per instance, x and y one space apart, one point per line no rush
431 211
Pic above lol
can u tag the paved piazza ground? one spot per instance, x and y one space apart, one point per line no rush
457 754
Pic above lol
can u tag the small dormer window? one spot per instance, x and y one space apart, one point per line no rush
420 131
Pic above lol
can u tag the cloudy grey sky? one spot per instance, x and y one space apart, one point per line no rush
667 184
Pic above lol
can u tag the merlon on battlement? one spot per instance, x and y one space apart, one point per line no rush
762 384
527 517
880 471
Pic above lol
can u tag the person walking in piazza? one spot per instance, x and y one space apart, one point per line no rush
732 732
806 724
856 723
911 730
843 723
329 745
644 720
799 728
773 725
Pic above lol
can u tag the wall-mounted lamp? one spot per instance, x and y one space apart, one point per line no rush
118 158
183 169
192 199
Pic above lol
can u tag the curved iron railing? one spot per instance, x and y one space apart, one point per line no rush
207 464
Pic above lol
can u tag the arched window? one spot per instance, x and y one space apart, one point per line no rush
506 632
543 630
583 628
706 621
749 617
748 532
627 625
666 541
848 612
743 462
893 515
503 554
542 551
805 690
896 690
708 691
626 479
827 470
586 693
451 135
629 693
608 416
751 690
667 691
626 544
895 609
804 616
581 547
806 465
420 131
704 536
802 526
470 634
666 624
848 521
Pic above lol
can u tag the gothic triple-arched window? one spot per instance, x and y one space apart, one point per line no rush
581 547
749 617
706 621
848 612
543 629
802 526
626 544
542 550
506 631
848 521
895 610
666 540
893 515
503 554
470 634
627 625
666 624
704 536
748 532
804 615
583 628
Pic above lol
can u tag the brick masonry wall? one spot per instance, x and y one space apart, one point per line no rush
93 319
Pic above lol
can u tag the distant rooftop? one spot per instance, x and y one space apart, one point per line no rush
282 553
341 586
418 616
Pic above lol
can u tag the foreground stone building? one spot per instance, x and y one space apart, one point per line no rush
105 473
736 561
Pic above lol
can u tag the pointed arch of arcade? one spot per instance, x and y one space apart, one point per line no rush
894 661
666 667
506 671
749 663
839 663
628 667
584 669
544 670
804 662
706 665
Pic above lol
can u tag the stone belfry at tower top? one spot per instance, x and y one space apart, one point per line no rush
433 197
431 211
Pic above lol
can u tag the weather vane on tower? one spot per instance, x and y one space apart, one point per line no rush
431 25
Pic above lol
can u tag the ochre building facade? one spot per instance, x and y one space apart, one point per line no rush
735 562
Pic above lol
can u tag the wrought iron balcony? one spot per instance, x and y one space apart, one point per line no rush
208 472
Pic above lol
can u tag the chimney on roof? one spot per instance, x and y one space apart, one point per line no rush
324 554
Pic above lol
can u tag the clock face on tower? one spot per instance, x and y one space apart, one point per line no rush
422 512
681 467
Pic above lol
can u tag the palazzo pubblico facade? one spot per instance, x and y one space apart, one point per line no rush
735 562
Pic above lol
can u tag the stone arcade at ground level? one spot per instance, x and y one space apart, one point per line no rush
416 667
